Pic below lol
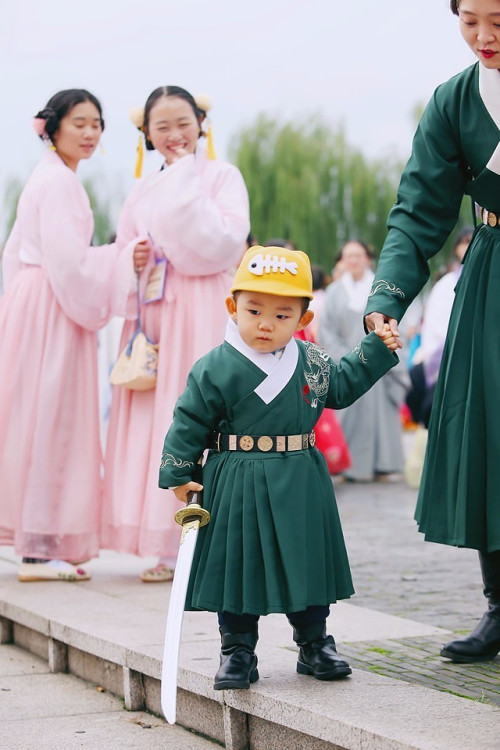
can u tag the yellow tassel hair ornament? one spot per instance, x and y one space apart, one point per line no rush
210 143
137 117
140 157
205 105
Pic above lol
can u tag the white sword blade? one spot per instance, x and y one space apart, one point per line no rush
174 621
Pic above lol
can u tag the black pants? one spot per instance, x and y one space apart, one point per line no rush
244 623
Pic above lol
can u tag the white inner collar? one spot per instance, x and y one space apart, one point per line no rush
265 362
279 370
489 90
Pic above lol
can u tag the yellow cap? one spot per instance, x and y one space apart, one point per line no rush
274 270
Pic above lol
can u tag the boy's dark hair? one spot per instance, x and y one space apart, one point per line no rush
454 6
61 104
305 301
176 91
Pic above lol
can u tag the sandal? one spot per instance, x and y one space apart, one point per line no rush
52 570
159 574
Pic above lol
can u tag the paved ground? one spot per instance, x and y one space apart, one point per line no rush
44 711
395 571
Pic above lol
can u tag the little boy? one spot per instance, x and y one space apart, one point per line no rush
274 542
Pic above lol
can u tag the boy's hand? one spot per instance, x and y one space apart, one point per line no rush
388 337
376 321
184 492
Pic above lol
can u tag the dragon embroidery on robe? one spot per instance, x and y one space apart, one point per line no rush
318 374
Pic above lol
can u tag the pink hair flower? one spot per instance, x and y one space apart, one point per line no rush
39 127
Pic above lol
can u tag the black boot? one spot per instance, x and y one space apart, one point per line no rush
238 662
483 643
318 655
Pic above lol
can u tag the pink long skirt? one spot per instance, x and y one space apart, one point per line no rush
138 516
50 455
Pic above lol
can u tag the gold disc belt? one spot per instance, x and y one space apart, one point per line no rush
490 218
262 443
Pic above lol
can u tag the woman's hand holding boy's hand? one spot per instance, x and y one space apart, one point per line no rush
388 337
184 492
376 322
141 255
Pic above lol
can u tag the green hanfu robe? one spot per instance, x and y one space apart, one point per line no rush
274 542
456 151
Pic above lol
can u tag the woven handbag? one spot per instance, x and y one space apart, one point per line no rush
137 365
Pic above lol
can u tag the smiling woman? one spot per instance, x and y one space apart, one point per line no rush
172 123
193 216
456 152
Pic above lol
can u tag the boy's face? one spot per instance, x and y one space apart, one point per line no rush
267 322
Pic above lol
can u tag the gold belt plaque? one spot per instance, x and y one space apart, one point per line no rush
312 439
265 443
246 442
281 442
295 442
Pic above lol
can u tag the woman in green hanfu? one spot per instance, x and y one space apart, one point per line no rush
274 542
456 152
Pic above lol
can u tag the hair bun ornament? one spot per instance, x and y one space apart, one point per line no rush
137 117
203 102
39 127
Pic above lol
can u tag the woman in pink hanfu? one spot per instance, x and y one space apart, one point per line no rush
194 214
58 291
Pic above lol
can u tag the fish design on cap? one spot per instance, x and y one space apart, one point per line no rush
261 264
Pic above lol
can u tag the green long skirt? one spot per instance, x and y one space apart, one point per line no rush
459 499
274 542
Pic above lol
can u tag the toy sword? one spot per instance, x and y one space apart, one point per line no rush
190 518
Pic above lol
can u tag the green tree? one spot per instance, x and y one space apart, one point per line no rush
307 184
104 226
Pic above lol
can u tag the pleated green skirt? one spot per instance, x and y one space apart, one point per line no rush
459 498
274 542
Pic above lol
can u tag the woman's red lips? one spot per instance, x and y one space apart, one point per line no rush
487 52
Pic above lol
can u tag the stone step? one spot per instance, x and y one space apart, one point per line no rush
110 630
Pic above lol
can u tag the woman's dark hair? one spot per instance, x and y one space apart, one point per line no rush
180 93
61 104
318 277
251 240
454 6
281 242
276 242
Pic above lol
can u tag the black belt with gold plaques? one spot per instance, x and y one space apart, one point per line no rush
490 218
262 443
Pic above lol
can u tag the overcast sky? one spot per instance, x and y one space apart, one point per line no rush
364 63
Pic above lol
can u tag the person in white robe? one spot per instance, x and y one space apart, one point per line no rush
371 426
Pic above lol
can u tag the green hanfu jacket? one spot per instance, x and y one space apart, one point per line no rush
455 152
274 542
452 156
